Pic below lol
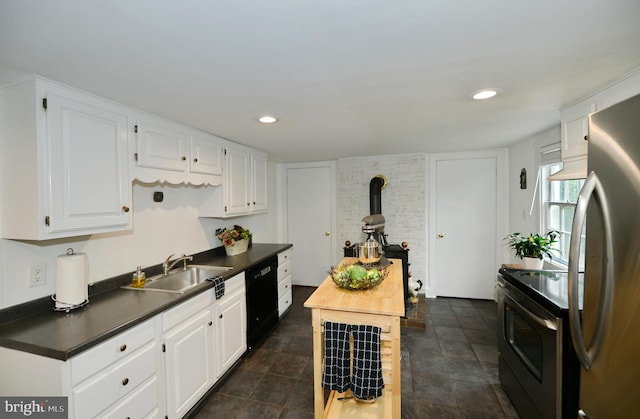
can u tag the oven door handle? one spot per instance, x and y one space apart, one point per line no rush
549 324
605 297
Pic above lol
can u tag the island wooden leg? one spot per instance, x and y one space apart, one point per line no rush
395 367
318 392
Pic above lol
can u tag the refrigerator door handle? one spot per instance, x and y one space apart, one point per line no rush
605 298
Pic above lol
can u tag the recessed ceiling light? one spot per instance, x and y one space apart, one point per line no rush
267 119
485 94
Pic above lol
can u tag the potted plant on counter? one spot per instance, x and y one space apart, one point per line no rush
235 241
532 248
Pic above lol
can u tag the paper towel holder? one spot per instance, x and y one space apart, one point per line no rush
64 305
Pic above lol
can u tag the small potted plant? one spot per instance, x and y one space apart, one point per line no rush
235 241
532 248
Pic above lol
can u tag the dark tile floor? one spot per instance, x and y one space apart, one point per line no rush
449 369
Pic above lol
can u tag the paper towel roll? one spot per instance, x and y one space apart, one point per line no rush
72 280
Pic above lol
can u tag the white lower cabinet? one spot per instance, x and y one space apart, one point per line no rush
108 376
202 338
187 346
230 314
119 377
284 281
158 369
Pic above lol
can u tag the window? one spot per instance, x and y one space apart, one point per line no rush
559 199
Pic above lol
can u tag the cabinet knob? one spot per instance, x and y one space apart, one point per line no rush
210 323
125 381
184 158
221 316
248 204
123 348
195 160
125 208
440 235
327 233
586 138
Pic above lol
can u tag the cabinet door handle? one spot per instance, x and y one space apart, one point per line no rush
123 347
125 208
184 158
210 323
221 316
195 160
125 381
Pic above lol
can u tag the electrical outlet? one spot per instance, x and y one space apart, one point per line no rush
37 275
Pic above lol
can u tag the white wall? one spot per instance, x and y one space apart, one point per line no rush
159 229
525 154
403 202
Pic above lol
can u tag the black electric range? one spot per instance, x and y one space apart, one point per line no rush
547 288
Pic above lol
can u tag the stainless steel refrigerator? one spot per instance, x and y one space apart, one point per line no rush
607 335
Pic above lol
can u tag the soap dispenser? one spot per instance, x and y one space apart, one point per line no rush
138 278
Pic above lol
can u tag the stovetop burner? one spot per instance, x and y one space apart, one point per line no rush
552 286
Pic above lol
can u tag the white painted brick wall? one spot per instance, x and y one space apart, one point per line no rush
403 202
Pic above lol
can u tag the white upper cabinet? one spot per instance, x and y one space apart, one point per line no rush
207 154
64 162
237 181
161 146
259 181
574 122
244 189
169 152
575 130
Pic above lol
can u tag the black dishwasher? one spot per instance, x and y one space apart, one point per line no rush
262 299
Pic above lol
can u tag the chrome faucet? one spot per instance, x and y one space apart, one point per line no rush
168 263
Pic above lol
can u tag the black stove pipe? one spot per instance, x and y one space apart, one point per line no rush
375 195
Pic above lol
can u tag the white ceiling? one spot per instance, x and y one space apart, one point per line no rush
346 77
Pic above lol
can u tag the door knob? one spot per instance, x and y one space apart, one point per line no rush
440 235
327 233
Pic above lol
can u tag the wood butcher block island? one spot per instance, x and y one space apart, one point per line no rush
381 306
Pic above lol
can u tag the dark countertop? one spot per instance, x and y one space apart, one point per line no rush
547 288
38 329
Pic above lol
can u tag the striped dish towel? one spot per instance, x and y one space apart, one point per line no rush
336 357
367 366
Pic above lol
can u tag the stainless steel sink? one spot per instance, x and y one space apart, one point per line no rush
179 280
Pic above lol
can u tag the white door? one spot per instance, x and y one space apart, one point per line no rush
465 227
310 221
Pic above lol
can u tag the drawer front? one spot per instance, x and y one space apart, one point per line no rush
284 270
139 403
109 386
284 303
284 286
234 283
114 349
284 256
186 310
